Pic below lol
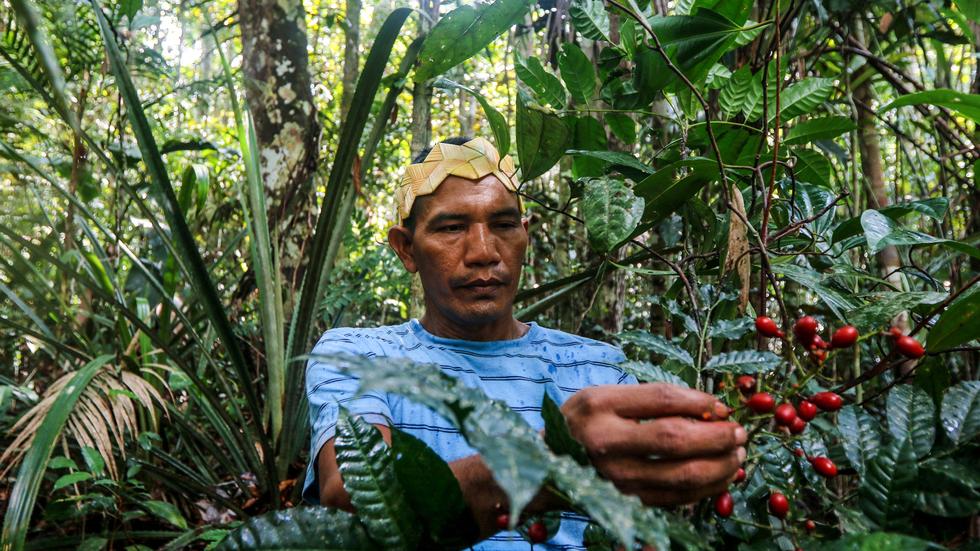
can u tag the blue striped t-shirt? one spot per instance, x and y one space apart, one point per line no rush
517 372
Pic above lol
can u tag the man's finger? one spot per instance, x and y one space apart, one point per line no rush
668 437
664 498
651 400
636 475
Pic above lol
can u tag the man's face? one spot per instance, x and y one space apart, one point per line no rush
468 247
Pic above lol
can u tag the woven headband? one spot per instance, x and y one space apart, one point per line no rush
472 160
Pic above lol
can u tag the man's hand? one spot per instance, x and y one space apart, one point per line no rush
666 444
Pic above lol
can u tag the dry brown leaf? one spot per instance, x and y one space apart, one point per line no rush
737 258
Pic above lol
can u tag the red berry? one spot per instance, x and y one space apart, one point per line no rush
797 426
778 505
761 402
844 337
823 466
895 332
721 385
819 354
767 328
805 329
746 383
740 475
798 452
909 347
806 410
827 401
537 532
810 525
818 343
724 505
785 413
503 521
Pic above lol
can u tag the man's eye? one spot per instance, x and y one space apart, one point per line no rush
451 228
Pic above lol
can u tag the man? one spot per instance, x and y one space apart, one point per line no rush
463 232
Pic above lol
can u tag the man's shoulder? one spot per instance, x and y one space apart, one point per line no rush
362 339
559 338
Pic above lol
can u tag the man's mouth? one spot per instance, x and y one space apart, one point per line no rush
480 286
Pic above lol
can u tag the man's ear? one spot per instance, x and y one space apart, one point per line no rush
400 239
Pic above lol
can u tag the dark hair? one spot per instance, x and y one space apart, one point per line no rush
455 140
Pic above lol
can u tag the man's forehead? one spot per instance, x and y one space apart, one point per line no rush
463 196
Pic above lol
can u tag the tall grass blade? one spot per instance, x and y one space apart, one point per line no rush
31 473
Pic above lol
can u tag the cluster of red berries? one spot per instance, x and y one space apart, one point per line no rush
805 331
794 418
906 345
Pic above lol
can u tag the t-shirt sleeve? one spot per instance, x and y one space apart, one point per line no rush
617 356
328 389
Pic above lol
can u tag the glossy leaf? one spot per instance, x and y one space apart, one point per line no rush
731 329
590 19
812 167
960 413
887 492
542 82
912 415
70 479
742 94
646 372
557 435
629 165
880 308
541 138
367 469
464 32
744 361
695 42
966 104
877 541
611 212
165 511
300 529
658 345
948 489
859 436
881 231
664 195
823 128
934 208
958 324
831 295
802 97
577 72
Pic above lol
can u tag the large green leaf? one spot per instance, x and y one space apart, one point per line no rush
823 128
17 518
744 361
577 72
960 413
611 212
880 308
498 123
541 137
546 86
876 541
881 231
966 104
948 488
887 493
431 488
368 471
912 415
622 162
464 32
695 42
934 208
859 436
646 372
300 529
960 323
557 435
658 345
590 19
166 511
742 94
664 195
835 299
731 329
802 98
812 167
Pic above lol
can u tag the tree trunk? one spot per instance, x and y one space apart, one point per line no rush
280 100
352 44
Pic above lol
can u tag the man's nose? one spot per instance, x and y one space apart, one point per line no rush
481 246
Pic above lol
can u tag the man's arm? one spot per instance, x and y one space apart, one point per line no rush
650 440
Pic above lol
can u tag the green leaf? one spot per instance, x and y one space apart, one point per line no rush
657 345
934 208
742 94
912 415
623 126
129 8
629 165
823 128
812 167
590 19
948 489
611 212
71 478
557 435
650 74
664 195
967 105
165 511
960 323
859 436
300 529
93 459
577 72
876 541
646 372
62 462
833 298
887 494
430 486
464 32
802 98
17 518
960 414
731 329
969 8
589 135
881 308
368 471
881 231
695 42
744 361
541 138
498 123
545 85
